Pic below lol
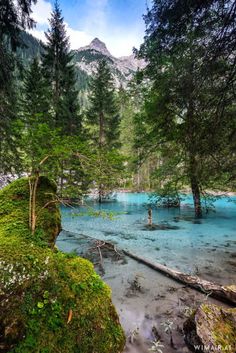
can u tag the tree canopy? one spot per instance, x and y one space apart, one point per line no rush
190 111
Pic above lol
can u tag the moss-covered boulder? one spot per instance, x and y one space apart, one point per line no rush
211 328
49 301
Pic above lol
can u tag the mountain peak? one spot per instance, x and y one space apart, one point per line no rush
97 41
97 45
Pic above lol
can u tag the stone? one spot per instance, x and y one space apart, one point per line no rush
49 301
210 329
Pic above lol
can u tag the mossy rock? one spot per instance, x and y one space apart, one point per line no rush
211 328
49 301
14 210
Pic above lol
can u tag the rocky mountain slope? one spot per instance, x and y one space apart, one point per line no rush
86 60
123 68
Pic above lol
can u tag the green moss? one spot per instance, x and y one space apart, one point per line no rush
224 330
40 287
206 308
14 211
223 323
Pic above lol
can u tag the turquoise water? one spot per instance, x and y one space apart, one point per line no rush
206 247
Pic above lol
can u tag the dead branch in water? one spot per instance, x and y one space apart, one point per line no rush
223 293
99 245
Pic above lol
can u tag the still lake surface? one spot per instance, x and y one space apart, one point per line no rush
206 247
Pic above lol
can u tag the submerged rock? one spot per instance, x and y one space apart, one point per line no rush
161 226
49 301
211 328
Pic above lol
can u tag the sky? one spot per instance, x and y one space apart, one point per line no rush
118 23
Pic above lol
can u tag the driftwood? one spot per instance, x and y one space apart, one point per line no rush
223 293
98 245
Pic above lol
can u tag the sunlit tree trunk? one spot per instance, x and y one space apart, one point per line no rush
33 185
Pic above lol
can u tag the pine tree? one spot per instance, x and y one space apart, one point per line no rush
8 115
104 120
14 16
35 100
60 74
189 111
70 104
103 112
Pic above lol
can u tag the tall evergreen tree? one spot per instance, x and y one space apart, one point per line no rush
103 113
8 113
104 120
35 115
14 16
189 112
35 100
60 74
40 141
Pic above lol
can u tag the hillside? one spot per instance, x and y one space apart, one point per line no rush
122 68
32 47
86 60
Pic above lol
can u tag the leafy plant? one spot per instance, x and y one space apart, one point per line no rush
156 347
133 335
168 329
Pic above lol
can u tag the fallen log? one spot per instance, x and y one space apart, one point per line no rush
223 293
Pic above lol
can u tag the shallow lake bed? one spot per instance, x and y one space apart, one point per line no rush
147 301
205 247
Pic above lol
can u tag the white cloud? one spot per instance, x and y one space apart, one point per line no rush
42 11
95 23
78 38
96 17
121 42
38 34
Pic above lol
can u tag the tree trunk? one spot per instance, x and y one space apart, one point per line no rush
192 144
223 293
196 197
101 144
33 185
101 130
100 194
62 181
150 217
195 186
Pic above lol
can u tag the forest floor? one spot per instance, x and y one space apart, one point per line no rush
151 306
